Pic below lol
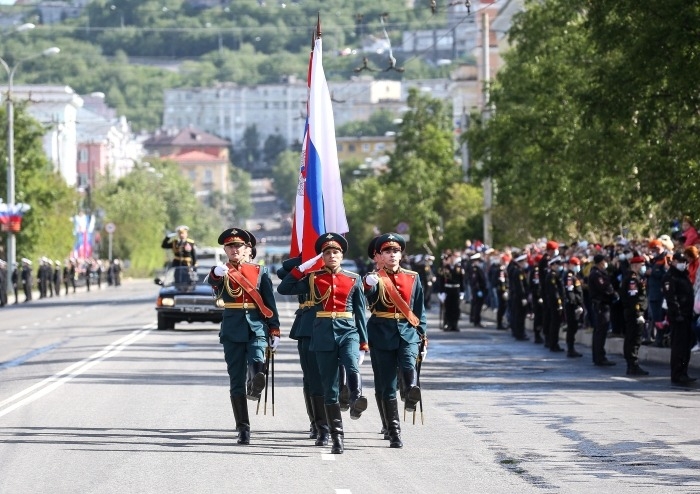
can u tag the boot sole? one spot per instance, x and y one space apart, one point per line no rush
257 386
412 399
359 407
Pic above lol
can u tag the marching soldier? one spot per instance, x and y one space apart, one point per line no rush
184 253
477 284
26 276
395 329
501 295
376 259
603 295
3 283
517 296
16 282
678 292
57 277
633 295
551 250
573 304
450 286
250 319
340 329
553 303
536 300
302 330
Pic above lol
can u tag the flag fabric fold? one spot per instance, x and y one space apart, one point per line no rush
319 204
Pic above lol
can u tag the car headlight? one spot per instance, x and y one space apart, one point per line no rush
166 302
219 302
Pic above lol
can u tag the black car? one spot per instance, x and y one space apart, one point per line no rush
185 296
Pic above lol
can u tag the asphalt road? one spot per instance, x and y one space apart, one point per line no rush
94 399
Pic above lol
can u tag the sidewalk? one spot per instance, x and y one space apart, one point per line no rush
613 345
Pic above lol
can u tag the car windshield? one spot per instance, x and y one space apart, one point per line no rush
182 274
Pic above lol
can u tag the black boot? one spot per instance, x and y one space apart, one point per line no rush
256 380
240 412
335 424
320 421
635 370
412 391
358 403
391 407
401 387
344 398
382 415
313 433
571 352
538 337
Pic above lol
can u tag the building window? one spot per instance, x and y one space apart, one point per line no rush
83 155
365 148
208 177
380 146
351 148
340 148
193 175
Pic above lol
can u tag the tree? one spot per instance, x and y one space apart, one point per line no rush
46 227
285 174
274 145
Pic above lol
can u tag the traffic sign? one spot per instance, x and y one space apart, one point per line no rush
110 227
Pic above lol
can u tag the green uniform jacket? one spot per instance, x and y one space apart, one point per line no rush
385 333
302 327
238 322
330 292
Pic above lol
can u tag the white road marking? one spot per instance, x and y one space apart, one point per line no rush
44 387
327 457
619 378
343 491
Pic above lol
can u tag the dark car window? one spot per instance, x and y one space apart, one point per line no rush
179 275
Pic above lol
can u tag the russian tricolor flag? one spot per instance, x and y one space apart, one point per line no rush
319 203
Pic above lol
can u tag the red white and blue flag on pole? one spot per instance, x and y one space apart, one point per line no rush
319 204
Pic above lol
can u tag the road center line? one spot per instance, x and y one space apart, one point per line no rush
44 387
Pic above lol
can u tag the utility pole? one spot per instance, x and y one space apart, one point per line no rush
465 146
486 112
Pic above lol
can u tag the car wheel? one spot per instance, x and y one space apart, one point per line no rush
164 322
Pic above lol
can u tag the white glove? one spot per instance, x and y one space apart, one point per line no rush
220 271
461 295
441 297
172 235
362 358
524 301
640 320
372 279
309 263
540 301
274 341
424 354
479 294
505 295
578 311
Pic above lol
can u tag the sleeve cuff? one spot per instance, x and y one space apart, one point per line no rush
364 347
274 332
296 273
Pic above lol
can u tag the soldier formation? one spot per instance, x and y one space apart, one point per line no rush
51 275
332 331
646 292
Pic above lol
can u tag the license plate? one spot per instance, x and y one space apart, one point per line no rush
193 309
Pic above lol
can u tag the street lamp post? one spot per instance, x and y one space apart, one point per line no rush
11 241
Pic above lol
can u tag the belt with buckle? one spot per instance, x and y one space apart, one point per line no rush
334 314
389 315
239 305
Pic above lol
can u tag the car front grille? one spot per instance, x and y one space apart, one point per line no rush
193 300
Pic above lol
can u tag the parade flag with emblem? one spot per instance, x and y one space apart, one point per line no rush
319 204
